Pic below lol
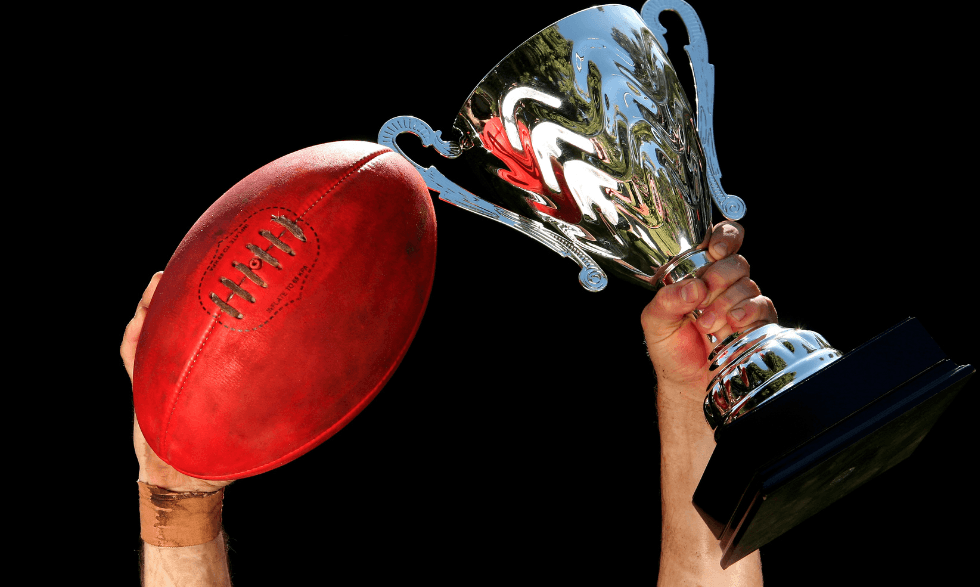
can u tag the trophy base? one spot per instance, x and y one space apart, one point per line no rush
834 431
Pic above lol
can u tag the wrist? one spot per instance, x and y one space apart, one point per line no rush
203 565
683 402
686 439
174 519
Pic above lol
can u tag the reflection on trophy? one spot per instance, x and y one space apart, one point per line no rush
584 140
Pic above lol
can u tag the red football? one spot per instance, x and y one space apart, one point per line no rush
284 310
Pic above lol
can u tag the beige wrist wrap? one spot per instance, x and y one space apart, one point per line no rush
170 518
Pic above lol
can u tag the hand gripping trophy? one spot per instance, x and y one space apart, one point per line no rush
584 137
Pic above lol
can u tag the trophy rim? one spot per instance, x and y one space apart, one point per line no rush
530 38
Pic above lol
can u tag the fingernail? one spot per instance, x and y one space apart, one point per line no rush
707 320
737 313
690 292
721 250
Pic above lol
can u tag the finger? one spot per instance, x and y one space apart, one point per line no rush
723 274
745 316
715 316
757 310
127 350
132 334
670 307
726 239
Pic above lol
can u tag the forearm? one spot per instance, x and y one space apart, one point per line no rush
202 565
180 516
690 554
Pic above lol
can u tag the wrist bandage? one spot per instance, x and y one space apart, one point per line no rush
171 518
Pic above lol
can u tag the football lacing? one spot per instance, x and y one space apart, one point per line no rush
262 256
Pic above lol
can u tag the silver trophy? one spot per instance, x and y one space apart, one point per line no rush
585 141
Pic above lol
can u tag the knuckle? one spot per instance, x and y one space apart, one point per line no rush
653 309
751 312
769 307
731 228
751 286
730 269
648 311
742 263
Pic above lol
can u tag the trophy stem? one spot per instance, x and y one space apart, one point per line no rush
688 264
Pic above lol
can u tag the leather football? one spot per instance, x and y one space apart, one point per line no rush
285 310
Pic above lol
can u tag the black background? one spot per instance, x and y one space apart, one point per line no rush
518 438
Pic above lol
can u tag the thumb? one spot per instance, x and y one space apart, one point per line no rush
670 307
127 350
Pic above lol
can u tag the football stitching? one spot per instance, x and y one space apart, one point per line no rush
261 256
301 284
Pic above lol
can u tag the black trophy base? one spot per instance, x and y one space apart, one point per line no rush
807 448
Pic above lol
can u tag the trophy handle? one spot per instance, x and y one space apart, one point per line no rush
731 207
591 276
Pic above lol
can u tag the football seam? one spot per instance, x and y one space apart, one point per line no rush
183 381
356 167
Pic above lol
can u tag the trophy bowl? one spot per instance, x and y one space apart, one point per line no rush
583 139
